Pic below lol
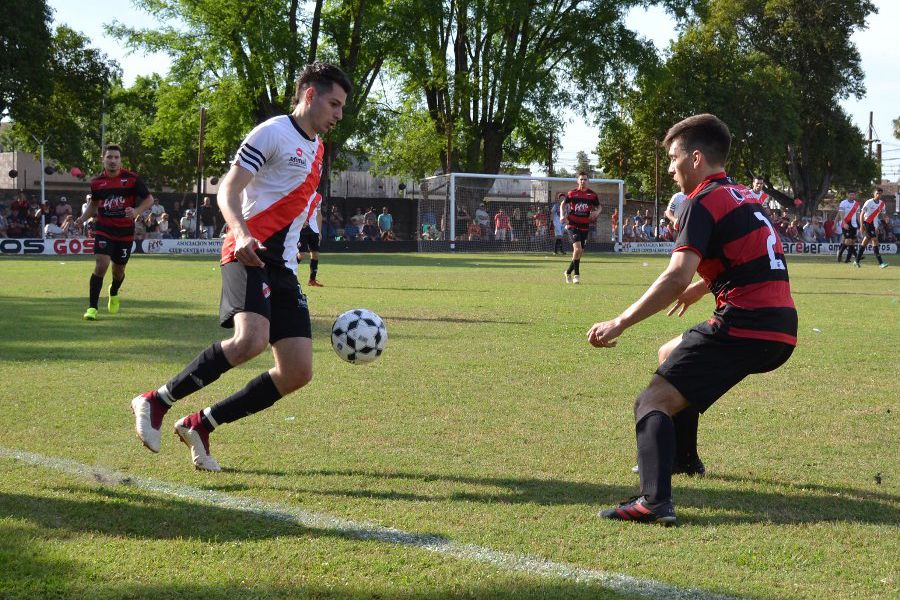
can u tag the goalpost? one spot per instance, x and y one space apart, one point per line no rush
462 211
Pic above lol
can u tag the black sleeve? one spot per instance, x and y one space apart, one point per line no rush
695 227
140 188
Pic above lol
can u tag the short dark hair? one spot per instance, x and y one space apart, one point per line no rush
580 173
879 190
706 133
109 147
321 76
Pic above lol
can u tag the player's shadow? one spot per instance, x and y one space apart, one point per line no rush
800 503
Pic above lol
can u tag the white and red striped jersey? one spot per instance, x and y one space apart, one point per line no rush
286 166
311 220
849 209
871 211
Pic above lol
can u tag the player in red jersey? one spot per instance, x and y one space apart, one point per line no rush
118 197
580 208
265 197
725 235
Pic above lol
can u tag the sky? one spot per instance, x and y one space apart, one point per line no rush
874 44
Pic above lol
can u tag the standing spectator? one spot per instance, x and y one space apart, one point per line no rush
4 221
501 226
583 207
559 229
42 217
87 203
188 224
370 226
358 219
539 219
386 224
118 197
517 224
483 219
828 227
370 218
614 224
207 219
462 218
157 208
62 209
175 215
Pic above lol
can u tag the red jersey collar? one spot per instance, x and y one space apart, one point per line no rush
705 182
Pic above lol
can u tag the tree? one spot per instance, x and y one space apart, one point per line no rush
25 48
897 128
484 68
69 118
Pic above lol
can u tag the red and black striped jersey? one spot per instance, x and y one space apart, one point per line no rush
112 195
580 203
741 260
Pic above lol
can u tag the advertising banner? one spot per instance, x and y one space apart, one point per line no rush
77 246
789 248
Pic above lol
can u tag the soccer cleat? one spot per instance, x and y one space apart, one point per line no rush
691 468
112 305
856 262
314 283
148 413
576 278
883 266
90 314
638 510
194 435
568 277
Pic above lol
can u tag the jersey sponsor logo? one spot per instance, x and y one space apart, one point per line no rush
297 162
299 152
114 203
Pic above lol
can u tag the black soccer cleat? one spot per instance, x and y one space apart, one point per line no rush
638 510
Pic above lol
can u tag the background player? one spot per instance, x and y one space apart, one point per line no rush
265 198
580 208
310 237
871 220
674 205
848 209
114 200
754 326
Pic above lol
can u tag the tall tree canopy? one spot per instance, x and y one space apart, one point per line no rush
25 48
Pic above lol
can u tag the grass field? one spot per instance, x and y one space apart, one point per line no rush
489 422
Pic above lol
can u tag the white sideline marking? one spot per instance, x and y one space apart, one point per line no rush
508 561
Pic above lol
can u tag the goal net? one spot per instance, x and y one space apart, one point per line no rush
474 212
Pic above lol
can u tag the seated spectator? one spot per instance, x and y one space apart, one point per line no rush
809 232
540 219
665 232
62 209
647 232
793 230
819 230
52 229
474 231
164 232
152 222
370 232
358 219
69 228
188 225
4 222
140 227
351 232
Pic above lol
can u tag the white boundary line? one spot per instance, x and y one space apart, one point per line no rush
507 561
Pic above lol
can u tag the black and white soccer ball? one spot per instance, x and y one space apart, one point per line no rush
358 336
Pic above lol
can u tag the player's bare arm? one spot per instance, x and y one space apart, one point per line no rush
89 212
665 290
229 200
692 294
138 210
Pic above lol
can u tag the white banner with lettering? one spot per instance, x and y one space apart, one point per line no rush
76 246
789 248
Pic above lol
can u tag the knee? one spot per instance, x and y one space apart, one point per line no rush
244 347
289 381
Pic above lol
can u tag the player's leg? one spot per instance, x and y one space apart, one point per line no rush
577 252
101 265
121 254
876 249
862 247
313 243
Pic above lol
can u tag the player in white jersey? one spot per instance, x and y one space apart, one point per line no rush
871 220
674 206
310 236
848 210
265 198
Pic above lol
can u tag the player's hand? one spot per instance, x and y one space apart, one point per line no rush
603 335
129 212
687 297
245 251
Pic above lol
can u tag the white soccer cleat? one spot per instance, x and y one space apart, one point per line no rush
568 278
195 437
148 413
576 278
883 266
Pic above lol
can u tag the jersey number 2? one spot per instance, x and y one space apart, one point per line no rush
774 263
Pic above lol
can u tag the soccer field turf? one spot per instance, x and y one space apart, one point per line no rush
487 436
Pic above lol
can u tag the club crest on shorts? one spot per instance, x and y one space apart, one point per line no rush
266 290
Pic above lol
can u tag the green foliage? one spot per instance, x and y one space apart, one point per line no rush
402 143
69 118
897 128
25 45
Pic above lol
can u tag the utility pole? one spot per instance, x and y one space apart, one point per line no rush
550 156
656 202
878 159
871 132
200 157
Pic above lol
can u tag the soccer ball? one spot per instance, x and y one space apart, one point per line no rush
358 336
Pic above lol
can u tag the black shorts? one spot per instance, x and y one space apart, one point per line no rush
849 233
871 231
706 364
579 235
309 242
270 291
118 252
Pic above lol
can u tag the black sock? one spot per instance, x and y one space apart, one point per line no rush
116 284
96 286
656 447
862 250
851 252
877 252
557 245
571 267
577 263
313 268
686 423
841 252
203 370
260 393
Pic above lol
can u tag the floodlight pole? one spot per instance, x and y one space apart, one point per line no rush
200 157
43 185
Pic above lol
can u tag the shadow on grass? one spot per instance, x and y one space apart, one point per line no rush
803 504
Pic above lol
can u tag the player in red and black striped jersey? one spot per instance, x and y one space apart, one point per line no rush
580 208
724 235
118 197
